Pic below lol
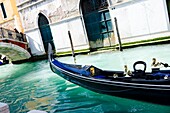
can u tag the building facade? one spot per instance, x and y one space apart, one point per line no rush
47 21
9 16
91 22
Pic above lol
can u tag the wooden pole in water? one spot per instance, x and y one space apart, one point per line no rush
72 47
118 35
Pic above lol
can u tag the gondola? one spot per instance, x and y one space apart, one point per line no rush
152 87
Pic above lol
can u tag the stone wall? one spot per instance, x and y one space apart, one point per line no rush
136 19
62 15
8 24
54 10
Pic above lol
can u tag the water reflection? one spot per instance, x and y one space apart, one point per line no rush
34 86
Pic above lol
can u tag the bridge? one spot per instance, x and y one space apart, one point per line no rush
13 45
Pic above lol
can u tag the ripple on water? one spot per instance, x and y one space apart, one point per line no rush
73 99
34 86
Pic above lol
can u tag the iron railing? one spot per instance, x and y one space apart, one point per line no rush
9 34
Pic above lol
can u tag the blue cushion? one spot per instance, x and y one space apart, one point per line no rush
69 68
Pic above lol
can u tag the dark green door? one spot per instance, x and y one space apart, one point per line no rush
98 23
45 32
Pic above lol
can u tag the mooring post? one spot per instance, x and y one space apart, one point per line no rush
4 108
72 47
2 32
118 35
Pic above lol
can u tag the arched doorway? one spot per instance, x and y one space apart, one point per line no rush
98 23
45 32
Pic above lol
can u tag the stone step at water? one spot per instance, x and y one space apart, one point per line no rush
36 111
4 108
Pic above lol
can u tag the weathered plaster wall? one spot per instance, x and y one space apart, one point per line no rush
64 9
141 20
8 24
8 9
63 15
35 42
13 20
55 11
61 40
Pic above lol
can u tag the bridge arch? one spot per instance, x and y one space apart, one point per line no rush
14 52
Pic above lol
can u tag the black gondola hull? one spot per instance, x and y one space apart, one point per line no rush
157 96
144 89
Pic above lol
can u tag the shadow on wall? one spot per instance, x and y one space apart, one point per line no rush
35 47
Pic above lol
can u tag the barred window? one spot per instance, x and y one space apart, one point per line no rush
3 10
98 22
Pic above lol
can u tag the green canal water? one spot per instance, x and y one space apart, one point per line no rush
31 86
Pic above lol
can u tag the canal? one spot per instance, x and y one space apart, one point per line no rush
33 85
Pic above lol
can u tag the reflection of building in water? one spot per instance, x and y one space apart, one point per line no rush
91 22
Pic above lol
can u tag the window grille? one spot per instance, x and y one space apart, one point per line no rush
3 10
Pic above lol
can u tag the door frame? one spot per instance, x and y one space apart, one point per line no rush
47 24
